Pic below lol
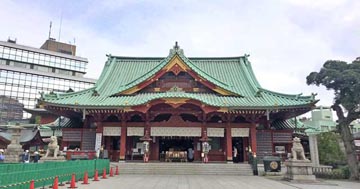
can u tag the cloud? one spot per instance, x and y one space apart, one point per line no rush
318 4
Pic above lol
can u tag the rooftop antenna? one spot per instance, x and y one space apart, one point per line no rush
50 30
60 25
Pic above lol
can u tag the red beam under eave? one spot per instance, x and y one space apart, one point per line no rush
141 108
194 102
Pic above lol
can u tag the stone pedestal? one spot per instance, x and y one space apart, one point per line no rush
14 149
299 170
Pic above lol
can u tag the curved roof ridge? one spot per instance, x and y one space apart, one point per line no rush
249 77
134 57
104 75
251 72
144 76
187 61
158 67
285 95
69 94
216 58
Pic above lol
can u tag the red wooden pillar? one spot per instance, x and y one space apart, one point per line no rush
253 137
147 126
123 143
228 137
123 138
204 136
228 143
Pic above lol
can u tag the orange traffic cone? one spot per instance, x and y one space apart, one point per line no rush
86 179
111 172
104 174
72 183
96 178
55 184
32 184
117 170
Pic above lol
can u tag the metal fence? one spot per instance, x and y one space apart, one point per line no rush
19 175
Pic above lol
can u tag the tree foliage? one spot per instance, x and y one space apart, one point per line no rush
329 149
344 79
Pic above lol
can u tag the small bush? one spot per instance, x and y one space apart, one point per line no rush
346 171
341 173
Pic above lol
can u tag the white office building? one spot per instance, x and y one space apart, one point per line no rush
26 71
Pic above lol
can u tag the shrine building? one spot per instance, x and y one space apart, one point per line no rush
177 103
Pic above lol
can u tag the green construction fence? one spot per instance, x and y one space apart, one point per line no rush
19 175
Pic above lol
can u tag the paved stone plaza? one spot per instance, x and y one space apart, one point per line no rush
207 182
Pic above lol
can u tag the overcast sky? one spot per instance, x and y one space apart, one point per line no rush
286 39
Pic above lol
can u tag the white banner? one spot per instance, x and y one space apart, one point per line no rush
215 132
112 131
98 141
240 132
176 131
135 131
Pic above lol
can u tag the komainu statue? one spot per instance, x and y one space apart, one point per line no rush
52 147
297 151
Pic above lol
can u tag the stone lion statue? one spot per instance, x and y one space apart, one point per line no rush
297 151
52 147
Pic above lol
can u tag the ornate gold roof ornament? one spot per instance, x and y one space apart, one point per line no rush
175 89
176 49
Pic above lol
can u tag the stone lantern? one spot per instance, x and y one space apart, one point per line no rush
14 149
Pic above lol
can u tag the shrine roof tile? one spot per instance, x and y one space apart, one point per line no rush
233 74
267 100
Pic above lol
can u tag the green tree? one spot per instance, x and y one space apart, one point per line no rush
329 149
344 79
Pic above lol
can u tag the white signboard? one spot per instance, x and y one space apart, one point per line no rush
135 131
98 141
240 132
176 131
112 131
215 132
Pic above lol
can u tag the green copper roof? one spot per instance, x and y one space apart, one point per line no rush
298 126
233 74
87 99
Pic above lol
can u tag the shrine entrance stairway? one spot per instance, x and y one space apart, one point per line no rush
241 169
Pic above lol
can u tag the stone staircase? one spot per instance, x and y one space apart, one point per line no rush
184 168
